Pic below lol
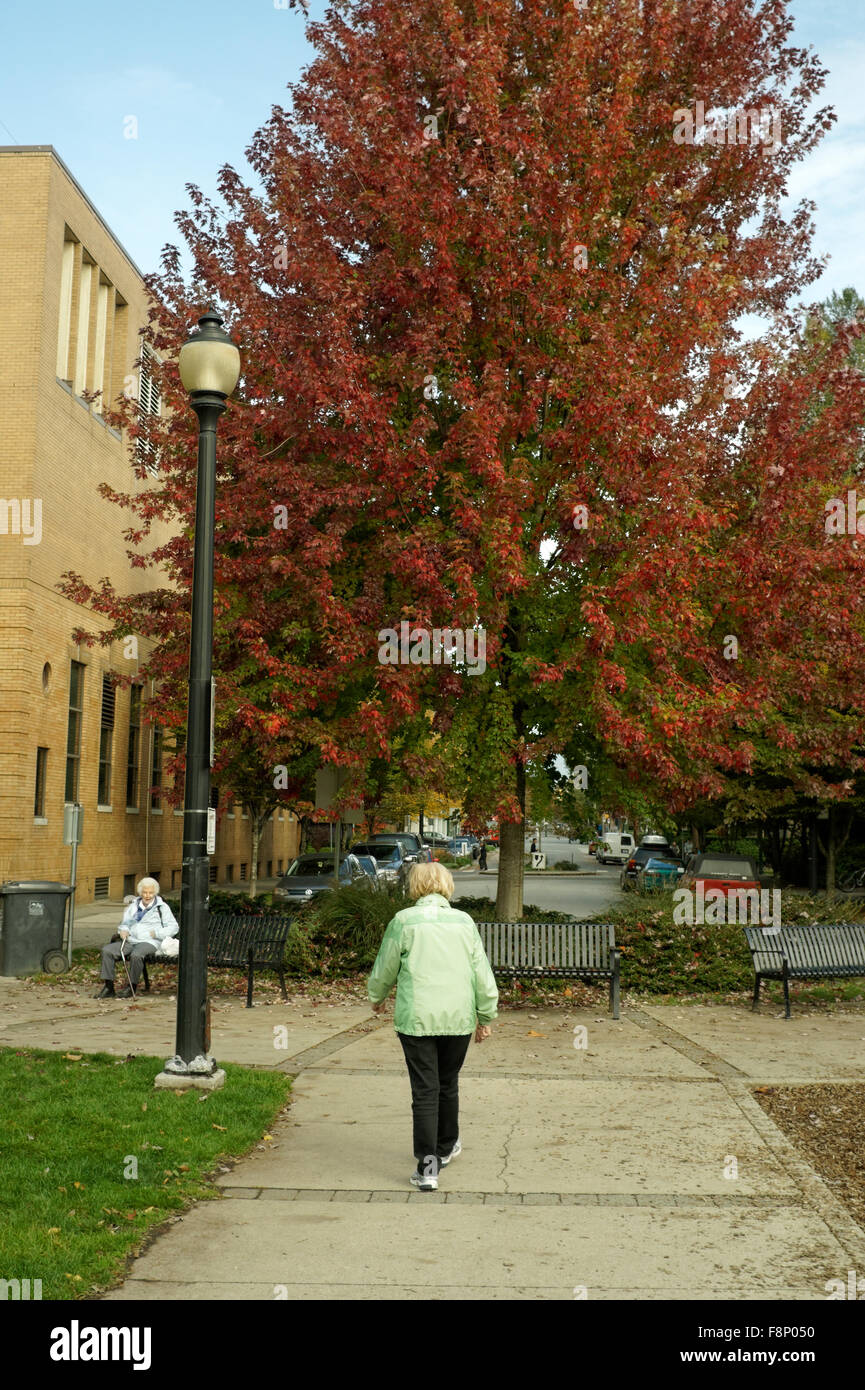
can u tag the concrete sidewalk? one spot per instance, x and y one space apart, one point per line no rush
599 1168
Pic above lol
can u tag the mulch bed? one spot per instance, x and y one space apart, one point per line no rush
827 1124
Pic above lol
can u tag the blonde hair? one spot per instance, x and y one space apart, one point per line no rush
430 878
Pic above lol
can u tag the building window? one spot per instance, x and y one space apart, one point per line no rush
149 404
41 769
180 775
279 867
229 873
82 337
270 868
133 754
175 877
156 768
73 735
67 275
106 740
128 885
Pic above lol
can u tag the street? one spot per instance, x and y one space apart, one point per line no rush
583 894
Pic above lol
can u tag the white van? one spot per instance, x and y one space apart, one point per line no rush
615 849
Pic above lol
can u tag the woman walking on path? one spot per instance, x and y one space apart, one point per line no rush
445 988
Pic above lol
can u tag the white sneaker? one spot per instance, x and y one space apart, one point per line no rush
454 1153
424 1184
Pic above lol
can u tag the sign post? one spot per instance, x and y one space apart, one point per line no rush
73 826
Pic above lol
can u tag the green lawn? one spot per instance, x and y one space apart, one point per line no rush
74 1134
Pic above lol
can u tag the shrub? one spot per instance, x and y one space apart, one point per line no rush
239 904
346 926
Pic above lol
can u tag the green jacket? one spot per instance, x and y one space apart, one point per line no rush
444 983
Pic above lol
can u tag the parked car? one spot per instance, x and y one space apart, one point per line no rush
729 872
461 844
433 840
651 846
370 868
390 857
414 850
615 848
659 874
311 874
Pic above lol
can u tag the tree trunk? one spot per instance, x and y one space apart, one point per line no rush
256 822
509 899
830 856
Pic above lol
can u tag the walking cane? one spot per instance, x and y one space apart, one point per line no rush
126 968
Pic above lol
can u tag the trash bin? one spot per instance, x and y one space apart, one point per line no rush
32 916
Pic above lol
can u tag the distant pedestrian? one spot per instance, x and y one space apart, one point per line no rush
482 862
534 847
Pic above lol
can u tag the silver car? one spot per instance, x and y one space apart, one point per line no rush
312 873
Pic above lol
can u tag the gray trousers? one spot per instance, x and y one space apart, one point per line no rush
135 955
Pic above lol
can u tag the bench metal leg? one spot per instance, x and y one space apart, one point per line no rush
146 978
614 984
756 998
282 982
249 974
787 988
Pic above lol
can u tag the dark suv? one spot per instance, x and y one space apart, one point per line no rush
650 847
391 863
414 850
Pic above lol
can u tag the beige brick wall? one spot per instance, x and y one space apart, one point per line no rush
54 451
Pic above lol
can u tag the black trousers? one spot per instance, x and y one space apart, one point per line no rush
434 1070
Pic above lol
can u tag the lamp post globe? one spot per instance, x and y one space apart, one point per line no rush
209 366
209 361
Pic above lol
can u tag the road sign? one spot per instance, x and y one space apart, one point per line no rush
73 823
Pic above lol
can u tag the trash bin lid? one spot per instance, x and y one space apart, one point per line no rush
35 885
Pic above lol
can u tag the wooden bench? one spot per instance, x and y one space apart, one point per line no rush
805 953
581 950
242 941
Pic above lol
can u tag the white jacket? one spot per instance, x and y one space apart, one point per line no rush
156 923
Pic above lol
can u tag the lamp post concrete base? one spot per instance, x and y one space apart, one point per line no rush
202 1073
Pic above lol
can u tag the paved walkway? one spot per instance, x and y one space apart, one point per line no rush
599 1169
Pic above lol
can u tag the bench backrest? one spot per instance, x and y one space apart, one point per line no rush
808 947
548 944
230 936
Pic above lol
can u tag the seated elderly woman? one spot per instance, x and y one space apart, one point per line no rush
445 988
147 921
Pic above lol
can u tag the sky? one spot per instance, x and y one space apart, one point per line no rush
138 101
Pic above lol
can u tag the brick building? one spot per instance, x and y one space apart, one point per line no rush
71 306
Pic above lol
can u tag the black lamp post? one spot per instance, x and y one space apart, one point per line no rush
209 368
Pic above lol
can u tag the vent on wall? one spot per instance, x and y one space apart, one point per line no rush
243 871
100 887
212 873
